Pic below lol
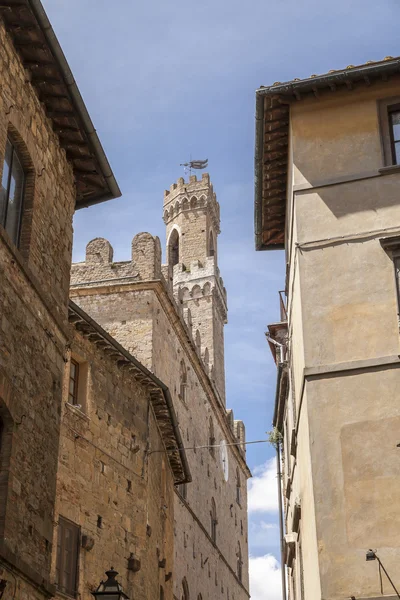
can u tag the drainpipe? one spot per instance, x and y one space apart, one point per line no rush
278 472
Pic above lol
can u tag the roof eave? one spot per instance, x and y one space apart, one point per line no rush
77 100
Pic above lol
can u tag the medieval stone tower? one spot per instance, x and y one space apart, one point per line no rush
192 217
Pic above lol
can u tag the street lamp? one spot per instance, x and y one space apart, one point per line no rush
372 555
110 589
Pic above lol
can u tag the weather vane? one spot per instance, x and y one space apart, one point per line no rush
194 164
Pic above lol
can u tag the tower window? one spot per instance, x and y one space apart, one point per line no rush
211 245
174 248
12 193
211 438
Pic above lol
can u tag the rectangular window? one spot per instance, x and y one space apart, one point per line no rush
394 130
77 372
12 193
73 382
67 557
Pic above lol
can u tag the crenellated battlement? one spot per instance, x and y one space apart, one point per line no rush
192 195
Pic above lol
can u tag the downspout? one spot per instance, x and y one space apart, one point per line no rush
282 540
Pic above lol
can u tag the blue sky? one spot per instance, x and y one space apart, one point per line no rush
164 81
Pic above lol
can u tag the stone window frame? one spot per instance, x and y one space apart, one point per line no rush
385 107
23 241
239 563
6 439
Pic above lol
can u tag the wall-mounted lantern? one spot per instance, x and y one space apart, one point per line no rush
110 589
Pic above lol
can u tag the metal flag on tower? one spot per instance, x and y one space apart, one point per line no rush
194 164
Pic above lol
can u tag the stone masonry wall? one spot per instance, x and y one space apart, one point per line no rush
106 472
122 306
34 281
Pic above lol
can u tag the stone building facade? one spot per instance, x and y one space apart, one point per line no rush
327 165
171 317
63 492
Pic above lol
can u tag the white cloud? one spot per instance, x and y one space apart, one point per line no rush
265 578
263 491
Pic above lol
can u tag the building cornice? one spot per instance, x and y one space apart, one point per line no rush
160 397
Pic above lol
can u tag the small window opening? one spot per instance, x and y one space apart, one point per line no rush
174 248
183 382
211 438
12 193
73 382
211 245
214 521
238 487
239 564
99 521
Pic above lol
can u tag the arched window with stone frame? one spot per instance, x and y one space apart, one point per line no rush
173 248
214 521
17 191
185 590
183 382
211 438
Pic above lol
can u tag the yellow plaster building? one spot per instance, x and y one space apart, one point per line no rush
327 191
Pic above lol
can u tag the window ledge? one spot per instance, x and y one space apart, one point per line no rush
389 169
77 411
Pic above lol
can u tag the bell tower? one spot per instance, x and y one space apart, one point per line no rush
192 218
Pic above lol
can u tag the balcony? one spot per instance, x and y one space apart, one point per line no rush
277 332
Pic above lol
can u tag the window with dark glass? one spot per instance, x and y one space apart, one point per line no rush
394 128
12 193
67 557
73 382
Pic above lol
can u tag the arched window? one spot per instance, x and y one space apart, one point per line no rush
211 438
239 567
238 486
183 382
12 193
214 521
211 245
173 248
185 590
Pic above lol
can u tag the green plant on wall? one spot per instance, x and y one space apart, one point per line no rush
275 437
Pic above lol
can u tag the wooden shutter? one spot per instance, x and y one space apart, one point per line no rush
67 556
